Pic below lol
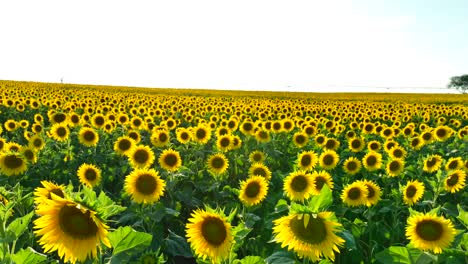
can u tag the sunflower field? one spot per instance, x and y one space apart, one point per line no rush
101 174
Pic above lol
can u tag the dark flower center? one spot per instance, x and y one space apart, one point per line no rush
146 184
314 232
429 230
299 183
77 224
214 231
252 189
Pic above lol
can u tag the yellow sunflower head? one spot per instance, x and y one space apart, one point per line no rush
45 192
416 143
355 194
141 156
307 160
144 186
432 163
262 135
397 152
455 181
217 164
328 159
224 142
210 235
170 160
12 163
69 228
374 145
123 145
442 133
36 142
312 236
372 161
319 179
331 144
300 139
430 232
257 156
253 190
351 166
29 154
395 167
160 138
298 186
259 169
413 192
201 134
373 193
356 144
89 175
454 163
88 137
183 135
60 132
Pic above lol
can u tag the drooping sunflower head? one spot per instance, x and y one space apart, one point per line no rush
69 228
12 163
373 193
123 145
209 234
413 192
141 156
455 181
89 175
144 186
372 161
430 232
217 164
253 190
257 156
298 186
352 166
319 179
259 169
454 163
432 163
395 167
355 194
300 139
309 235
307 160
328 159
45 192
170 160
88 137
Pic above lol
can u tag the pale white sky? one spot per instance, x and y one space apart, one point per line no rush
250 45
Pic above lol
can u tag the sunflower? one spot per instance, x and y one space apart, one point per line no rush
45 192
247 128
12 163
123 145
416 143
298 186
236 142
135 135
88 137
257 156
320 139
373 192
13 147
69 228
3 144
427 136
356 144
141 157
374 145
210 234
36 142
395 167
331 144
201 134
144 186
160 138
253 190
307 160
300 139
442 133
224 143
29 154
328 159
98 120
432 163
170 160
89 175
259 169
262 135
372 161
37 128
309 235
430 232
60 132
397 152
183 135
355 194
454 163
413 192
455 181
351 166
11 125
217 164
319 178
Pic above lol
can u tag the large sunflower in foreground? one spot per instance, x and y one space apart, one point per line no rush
253 190
170 160
413 192
145 186
298 186
309 235
430 232
210 235
455 181
89 175
12 163
69 228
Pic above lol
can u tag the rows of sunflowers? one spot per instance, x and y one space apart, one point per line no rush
95 174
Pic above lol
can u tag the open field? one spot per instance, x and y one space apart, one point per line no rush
101 174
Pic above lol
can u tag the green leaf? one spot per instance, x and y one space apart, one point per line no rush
20 224
462 215
177 245
28 256
106 207
281 257
401 255
252 260
125 238
321 201
350 242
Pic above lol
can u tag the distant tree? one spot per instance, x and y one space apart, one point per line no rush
460 83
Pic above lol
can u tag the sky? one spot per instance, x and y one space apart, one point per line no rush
316 46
